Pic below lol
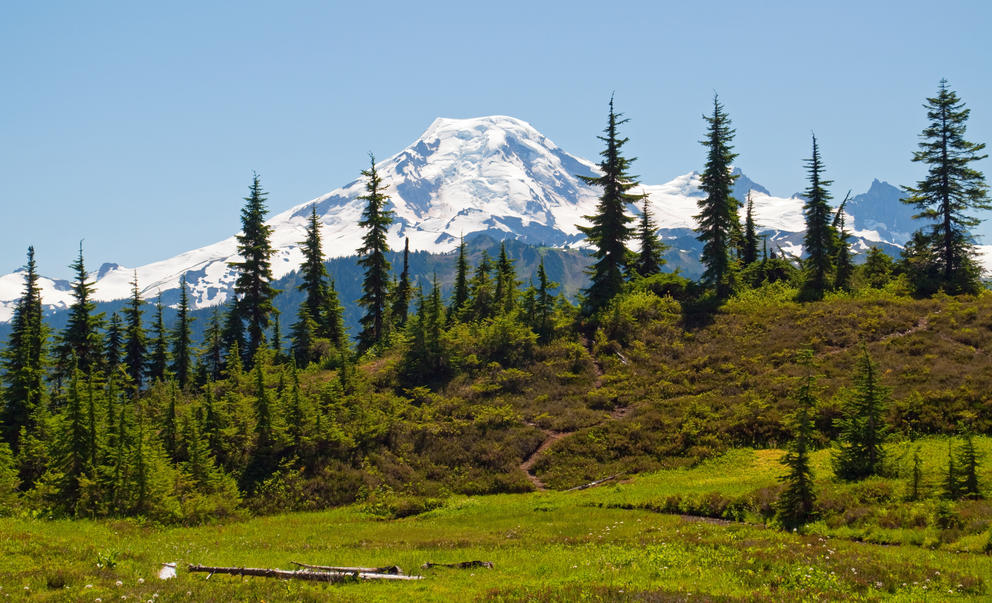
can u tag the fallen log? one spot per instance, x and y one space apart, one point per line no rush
389 569
592 484
460 565
302 574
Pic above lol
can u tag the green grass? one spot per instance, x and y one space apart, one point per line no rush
595 544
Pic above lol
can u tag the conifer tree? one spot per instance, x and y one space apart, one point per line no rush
649 260
135 345
916 478
158 360
842 260
79 343
750 250
482 304
951 190
877 269
295 418
862 430
211 358
333 319
506 282
114 343
233 333
303 336
544 305
182 355
459 297
276 337
402 291
717 219
375 286
967 463
609 230
313 273
23 360
73 445
263 413
796 504
818 241
253 286
952 479
170 427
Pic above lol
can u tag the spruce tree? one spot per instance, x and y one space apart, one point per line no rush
967 463
795 505
609 230
233 334
253 286
402 291
333 319
375 286
506 282
862 430
158 361
946 197
649 260
113 343
211 359
482 304
135 346
717 219
952 477
750 250
819 238
877 269
313 273
182 355
23 360
79 343
459 297
842 256
304 336
544 305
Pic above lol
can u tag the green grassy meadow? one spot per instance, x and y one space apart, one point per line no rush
605 543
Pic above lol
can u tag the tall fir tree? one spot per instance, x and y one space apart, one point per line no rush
372 257
506 282
967 463
544 305
304 335
332 323
795 505
749 253
482 304
23 360
403 291
459 296
182 353
233 334
649 260
609 230
211 358
135 344
947 196
862 430
253 286
158 360
79 344
718 212
313 273
842 255
113 343
819 238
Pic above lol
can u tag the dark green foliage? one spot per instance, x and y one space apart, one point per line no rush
233 334
23 360
158 360
544 305
648 260
114 343
842 257
796 504
877 269
945 255
79 343
253 286
211 358
170 427
818 242
304 336
609 232
459 297
749 250
135 345
862 427
375 286
313 273
717 216
182 353
482 303
423 360
403 291
505 296
333 320
916 477
952 477
967 467
9 481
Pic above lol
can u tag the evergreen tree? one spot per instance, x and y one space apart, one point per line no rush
952 478
375 286
506 282
211 359
649 260
182 360
170 427
79 344
114 343
263 413
158 361
796 504
717 216
23 361
916 478
313 273
482 304
73 446
233 334
333 319
276 337
403 291
459 297
842 259
135 345
304 336
609 232
253 286
544 305
945 197
967 463
818 241
749 253
877 269
862 430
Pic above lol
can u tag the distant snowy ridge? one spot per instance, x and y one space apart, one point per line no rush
496 175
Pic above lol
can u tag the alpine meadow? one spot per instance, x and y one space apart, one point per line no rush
489 369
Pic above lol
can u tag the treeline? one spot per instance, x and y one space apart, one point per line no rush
123 416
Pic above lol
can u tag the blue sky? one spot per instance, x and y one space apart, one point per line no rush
136 126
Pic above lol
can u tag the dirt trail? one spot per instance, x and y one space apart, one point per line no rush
528 464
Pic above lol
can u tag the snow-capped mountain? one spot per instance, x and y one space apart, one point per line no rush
496 175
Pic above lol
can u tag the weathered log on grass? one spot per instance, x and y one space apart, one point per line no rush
303 574
389 569
592 484
460 565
